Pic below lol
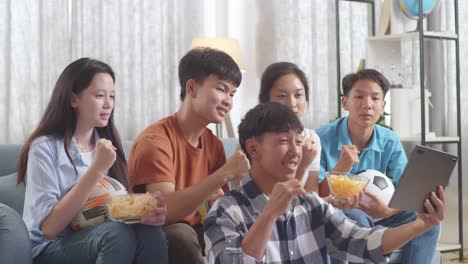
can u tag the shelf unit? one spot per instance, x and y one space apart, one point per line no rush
424 140
389 42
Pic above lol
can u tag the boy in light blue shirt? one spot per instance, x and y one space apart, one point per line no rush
355 143
383 153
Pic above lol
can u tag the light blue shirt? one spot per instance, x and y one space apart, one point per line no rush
49 176
383 153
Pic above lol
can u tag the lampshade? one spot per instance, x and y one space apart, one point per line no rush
229 45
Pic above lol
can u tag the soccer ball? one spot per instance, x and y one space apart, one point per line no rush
379 184
94 210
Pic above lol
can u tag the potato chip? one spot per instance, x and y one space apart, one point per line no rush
131 206
343 186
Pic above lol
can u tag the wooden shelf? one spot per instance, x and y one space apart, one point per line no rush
447 247
432 139
440 35
415 36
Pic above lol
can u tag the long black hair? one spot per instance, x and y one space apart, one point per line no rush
60 118
276 71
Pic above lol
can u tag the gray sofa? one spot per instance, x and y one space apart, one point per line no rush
15 246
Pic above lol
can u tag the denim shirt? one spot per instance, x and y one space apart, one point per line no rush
49 176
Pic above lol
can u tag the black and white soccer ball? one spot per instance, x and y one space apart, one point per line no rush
379 184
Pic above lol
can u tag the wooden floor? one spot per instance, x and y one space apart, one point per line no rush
452 258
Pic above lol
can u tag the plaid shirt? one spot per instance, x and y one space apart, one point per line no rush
308 231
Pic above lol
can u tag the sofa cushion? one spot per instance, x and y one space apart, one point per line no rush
9 156
11 194
230 145
127 146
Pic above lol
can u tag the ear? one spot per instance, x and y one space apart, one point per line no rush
344 102
383 107
74 100
191 88
251 147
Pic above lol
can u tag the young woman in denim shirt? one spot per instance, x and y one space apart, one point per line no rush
75 145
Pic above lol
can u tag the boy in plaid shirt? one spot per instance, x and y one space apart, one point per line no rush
271 219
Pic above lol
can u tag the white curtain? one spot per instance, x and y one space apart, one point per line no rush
141 40
304 32
144 40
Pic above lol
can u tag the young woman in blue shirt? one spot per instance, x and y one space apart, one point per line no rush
75 145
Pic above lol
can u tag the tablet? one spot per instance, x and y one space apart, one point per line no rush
427 168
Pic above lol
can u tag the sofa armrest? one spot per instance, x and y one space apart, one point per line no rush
9 156
11 194
15 245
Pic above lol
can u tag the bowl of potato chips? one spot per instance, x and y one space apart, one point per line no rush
345 185
130 208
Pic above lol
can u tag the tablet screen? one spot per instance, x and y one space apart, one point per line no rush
427 168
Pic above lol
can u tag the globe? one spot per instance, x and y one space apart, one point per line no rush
411 7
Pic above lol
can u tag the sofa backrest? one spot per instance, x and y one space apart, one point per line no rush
9 155
10 194
127 146
13 195
230 145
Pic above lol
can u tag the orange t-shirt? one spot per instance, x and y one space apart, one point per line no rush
162 154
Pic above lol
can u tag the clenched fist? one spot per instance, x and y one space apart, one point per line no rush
104 157
309 152
282 195
213 197
349 155
236 166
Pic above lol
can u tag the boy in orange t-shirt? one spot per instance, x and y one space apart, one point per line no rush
179 157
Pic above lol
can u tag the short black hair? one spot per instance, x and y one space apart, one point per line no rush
267 117
365 74
199 63
276 71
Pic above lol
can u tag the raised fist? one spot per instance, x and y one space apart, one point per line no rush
349 155
104 156
236 166
309 152
282 195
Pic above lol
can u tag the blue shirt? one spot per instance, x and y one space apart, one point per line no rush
49 176
305 233
383 153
